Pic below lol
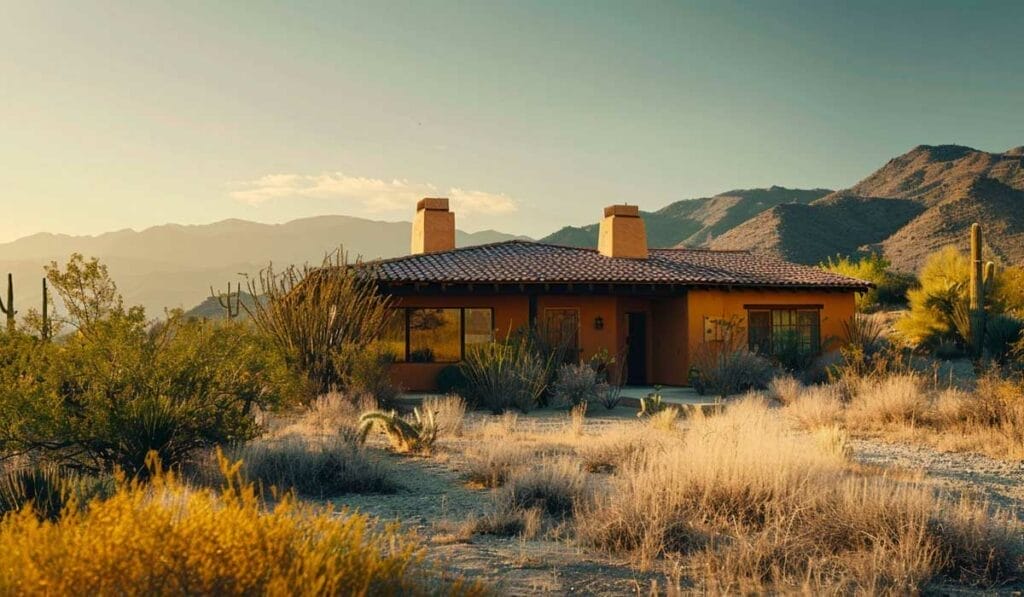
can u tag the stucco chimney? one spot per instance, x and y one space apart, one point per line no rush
622 233
433 228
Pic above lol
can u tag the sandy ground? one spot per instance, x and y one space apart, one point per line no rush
435 500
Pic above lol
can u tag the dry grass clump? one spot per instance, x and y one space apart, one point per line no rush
785 389
314 467
887 400
489 464
168 539
553 486
449 414
665 419
613 447
762 509
814 407
577 419
330 414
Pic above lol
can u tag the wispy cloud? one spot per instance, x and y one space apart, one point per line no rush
372 195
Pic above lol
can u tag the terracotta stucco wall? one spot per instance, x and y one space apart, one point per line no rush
674 324
837 307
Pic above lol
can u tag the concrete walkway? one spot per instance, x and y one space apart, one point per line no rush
630 397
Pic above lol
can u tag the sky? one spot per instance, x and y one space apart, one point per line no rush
528 115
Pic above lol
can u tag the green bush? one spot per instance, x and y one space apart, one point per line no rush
1002 332
367 371
451 380
106 395
723 369
890 287
575 384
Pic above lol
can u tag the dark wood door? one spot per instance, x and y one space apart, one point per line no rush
636 343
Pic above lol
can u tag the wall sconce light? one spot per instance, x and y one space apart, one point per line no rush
598 323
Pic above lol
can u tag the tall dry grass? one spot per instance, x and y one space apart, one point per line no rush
759 508
449 414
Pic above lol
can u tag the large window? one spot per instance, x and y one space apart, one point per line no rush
423 335
773 330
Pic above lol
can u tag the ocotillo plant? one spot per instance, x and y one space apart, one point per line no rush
225 301
982 278
8 309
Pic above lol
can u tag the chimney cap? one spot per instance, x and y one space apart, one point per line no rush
438 203
629 211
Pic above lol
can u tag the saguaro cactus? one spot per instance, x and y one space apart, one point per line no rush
231 310
8 309
982 277
45 330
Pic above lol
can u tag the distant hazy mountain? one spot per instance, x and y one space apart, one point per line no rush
174 265
913 205
693 222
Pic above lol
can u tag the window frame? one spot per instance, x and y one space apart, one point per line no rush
462 332
796 309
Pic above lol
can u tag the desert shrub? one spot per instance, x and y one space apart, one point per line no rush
449 414
1002 332
318 468
938 308
47 490
892 399
313 314
366 370
170 539
489 464
890 287
107 395
415 435
760 509
723 369
500 375
575 383
451 380
553 486
609 395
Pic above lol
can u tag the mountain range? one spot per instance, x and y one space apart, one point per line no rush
914 204
911 206
174 265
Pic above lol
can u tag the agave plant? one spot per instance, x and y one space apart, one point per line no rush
652 404
416 435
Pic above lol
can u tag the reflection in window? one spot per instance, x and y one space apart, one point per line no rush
419 335
772 331
393 337
479 326
435 335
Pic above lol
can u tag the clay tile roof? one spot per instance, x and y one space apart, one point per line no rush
524 262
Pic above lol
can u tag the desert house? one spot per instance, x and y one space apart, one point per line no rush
653 305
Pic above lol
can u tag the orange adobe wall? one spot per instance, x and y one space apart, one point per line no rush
836 307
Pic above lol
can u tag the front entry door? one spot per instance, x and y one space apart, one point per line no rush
636 343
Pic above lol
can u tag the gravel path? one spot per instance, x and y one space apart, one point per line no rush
999 481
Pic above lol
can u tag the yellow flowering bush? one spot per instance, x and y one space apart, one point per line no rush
167 538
